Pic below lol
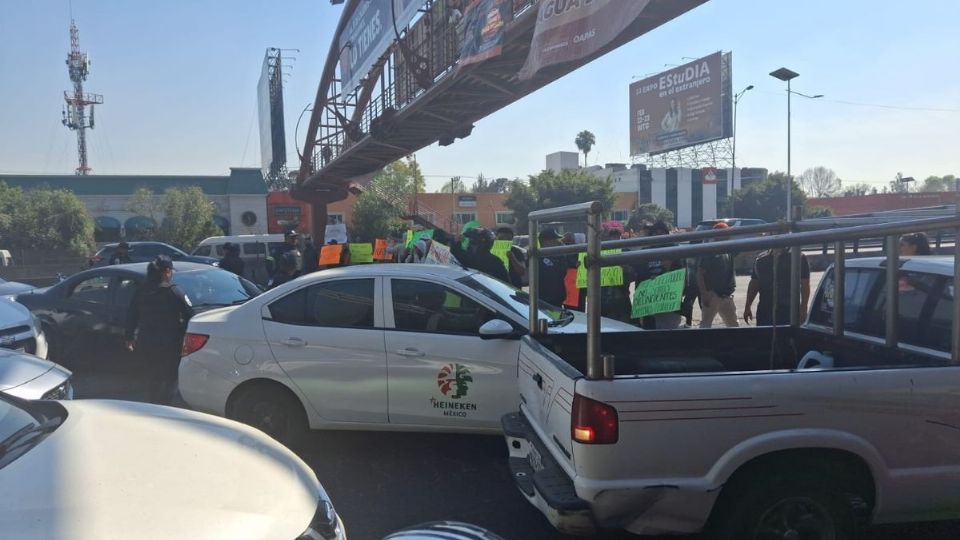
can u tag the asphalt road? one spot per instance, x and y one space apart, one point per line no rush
382 482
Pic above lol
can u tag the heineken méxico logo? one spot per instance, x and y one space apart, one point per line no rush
454 380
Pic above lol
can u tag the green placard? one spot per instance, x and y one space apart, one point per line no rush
414 237
500 250
361 253
466 227
661 294
610 276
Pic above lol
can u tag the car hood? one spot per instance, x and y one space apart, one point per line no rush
118 469
13 314
201 259
579 325
18 369
14 287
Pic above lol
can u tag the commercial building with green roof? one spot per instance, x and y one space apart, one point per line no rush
240 199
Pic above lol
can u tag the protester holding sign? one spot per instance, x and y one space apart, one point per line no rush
477 254
653 269
615 297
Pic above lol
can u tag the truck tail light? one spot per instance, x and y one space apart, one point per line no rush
594 422
193 343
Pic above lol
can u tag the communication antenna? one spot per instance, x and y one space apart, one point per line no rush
75 115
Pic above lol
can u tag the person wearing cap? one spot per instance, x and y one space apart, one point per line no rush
553 270
286 270
716 282
121 255
291 239
156 322
231 261
477 256
654 268
311 256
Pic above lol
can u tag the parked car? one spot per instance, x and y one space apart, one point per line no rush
8 288
88 310
20 330
29 377
801 431
146 252
114 469
376 347
708 224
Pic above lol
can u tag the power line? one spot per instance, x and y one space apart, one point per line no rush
879 106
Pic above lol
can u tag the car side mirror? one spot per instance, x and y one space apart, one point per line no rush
498 329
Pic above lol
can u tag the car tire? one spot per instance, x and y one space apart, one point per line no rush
768 504
273 411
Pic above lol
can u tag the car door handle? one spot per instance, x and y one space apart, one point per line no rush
537 378
410 352
293 342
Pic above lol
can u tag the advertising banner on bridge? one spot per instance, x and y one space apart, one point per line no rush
567 31
677 108
368 35
484 26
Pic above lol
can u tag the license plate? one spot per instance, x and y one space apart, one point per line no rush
535 459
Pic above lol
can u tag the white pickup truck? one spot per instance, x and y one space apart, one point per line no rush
796 432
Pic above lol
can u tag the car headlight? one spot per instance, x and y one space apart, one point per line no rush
61 392
325 525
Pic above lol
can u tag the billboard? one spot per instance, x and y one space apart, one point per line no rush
273 147
369 33
680 107
567 31
484 23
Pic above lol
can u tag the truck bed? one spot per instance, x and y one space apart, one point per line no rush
714 350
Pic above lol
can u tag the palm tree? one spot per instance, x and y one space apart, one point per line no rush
585 141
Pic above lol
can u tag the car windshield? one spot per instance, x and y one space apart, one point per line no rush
514 299
23 425
208 288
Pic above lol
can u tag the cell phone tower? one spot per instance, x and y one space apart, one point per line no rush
75 114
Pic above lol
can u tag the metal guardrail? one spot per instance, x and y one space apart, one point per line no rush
599 367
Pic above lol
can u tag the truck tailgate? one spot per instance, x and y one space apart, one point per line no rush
546 384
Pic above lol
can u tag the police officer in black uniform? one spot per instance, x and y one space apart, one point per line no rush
156 322
231 261
286 270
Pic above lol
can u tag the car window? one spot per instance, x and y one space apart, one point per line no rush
339 304
860 292
940 327
126 287
422 306
146 250
254 248
203 251
95 290
214 287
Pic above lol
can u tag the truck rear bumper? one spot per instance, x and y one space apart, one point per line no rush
542 481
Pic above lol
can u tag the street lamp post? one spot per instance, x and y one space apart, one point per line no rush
733 153
787 75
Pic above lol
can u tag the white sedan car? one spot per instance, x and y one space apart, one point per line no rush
114 469
377 347
25 376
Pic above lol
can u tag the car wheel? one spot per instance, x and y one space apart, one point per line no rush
786 507
273 411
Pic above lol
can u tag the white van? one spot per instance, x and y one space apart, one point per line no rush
255 249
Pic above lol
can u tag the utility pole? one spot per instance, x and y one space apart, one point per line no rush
75 112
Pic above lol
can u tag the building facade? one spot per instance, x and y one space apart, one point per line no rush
240 199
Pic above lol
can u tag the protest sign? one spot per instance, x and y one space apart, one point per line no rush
661 294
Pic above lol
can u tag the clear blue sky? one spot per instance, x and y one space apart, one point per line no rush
179 82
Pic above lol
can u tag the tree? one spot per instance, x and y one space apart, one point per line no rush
455 185
858 190
45 219
897 185
820 182
767 200
373 218
482 185
810 212
549 189
649 213
378 209
939 183
188 217
585 141
146 203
